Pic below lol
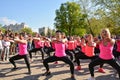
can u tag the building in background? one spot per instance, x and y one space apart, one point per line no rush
45 31
16 27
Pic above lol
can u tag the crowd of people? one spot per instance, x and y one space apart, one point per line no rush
100 50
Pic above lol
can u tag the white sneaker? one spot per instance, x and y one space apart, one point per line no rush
91 78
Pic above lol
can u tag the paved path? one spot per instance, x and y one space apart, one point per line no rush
59 71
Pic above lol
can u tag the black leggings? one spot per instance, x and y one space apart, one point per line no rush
54 58
96 51
35 50
70 53
78 48
116 54
82 55
48 50
17 57
99 61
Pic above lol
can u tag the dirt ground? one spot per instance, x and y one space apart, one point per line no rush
59 71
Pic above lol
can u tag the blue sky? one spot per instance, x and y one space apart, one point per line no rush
35 13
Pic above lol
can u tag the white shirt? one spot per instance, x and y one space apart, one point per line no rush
1 44
6 44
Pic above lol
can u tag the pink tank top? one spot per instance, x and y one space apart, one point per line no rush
41 43
37 43
71 45
60 50
22 49
89 51
118 45
47 43
106 51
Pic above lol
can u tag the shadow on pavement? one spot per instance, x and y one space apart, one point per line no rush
107 77
2 75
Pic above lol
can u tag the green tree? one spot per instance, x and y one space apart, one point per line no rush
27 30
109 12
80 32
53 32
49 32
100 14
69 18
0 25
87 9
1 28
42 33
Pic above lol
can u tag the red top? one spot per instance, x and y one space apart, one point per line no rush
71 45
118 45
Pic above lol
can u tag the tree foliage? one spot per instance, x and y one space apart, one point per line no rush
69 18
101 14
27 30
1 28
108 11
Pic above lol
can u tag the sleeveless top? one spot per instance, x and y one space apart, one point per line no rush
47 44
37 43
106 51
71 45
89 50
60 50
42 44
83 48
22 49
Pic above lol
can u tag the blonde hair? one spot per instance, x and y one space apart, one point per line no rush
108 32
90 35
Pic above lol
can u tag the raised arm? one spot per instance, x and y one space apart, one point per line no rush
20 41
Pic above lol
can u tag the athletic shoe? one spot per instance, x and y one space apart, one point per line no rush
13 69
46 74
91 78
72 77
78 68
101 70
56 62
29 71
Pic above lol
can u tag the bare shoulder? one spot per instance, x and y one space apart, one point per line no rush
113 40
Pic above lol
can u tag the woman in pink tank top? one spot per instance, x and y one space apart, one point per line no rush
39 44
83 44
71 47
78 40
60 55
22 44
22 49
88 52
106 47
47 43
60 50
47 46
